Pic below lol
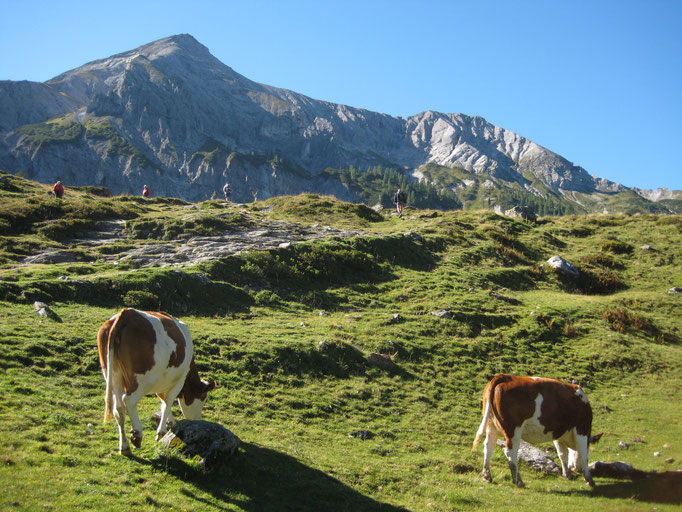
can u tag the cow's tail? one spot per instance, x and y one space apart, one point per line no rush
488 408
484 422
114 335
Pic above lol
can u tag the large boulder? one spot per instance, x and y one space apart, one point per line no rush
562 265
211 441
525 212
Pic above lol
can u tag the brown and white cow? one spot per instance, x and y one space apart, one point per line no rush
536 410
141 353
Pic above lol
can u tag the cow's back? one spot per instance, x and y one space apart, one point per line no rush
556 406
151 349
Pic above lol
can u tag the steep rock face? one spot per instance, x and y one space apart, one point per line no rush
178 115
30 102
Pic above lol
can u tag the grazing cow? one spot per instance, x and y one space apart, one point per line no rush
536 410
144 352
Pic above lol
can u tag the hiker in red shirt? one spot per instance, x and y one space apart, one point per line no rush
58 190
146 192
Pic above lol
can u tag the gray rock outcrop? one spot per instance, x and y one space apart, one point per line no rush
564 266
211 441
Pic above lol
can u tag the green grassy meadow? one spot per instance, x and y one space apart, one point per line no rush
287 334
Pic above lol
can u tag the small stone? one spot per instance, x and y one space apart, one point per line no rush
562 265
670 460
324 313
443 313
623 445
657 454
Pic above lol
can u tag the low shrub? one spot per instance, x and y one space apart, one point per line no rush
141 300
616 247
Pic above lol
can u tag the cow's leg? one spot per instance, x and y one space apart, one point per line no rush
131 402
491 435
563 451
120 415
167 400
583 447
511 451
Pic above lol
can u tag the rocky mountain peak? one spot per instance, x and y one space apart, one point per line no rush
171 115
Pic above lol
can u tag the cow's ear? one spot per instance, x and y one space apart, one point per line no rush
596 438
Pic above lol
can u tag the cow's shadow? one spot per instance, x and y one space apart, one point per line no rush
259 479
663 488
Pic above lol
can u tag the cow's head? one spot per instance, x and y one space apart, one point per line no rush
193 398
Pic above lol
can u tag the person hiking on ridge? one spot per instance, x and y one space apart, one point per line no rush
399 201
146 192
58 190
227 190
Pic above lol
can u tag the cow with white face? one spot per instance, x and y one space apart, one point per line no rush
536 410
141 353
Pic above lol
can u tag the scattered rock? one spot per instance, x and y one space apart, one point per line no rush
674 290
443 313
54 257
657 454
614 470
638 439
623 444
562 265
362 434
211 441
537 458
525 212
323 346
44 310
89 430
670 460
397 318
646 248
202 278
381 360
499 296
324 313
414 236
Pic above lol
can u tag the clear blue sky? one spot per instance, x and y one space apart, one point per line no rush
597 81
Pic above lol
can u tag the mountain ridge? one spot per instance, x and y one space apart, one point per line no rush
165 102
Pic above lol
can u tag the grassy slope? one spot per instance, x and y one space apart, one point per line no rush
294 401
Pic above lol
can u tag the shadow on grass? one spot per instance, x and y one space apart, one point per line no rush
663 488
261 479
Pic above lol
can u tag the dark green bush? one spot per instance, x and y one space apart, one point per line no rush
141 300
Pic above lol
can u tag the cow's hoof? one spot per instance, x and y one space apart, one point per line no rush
159 435
136 438
487 477
126 452
520 484
569 476
590 482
